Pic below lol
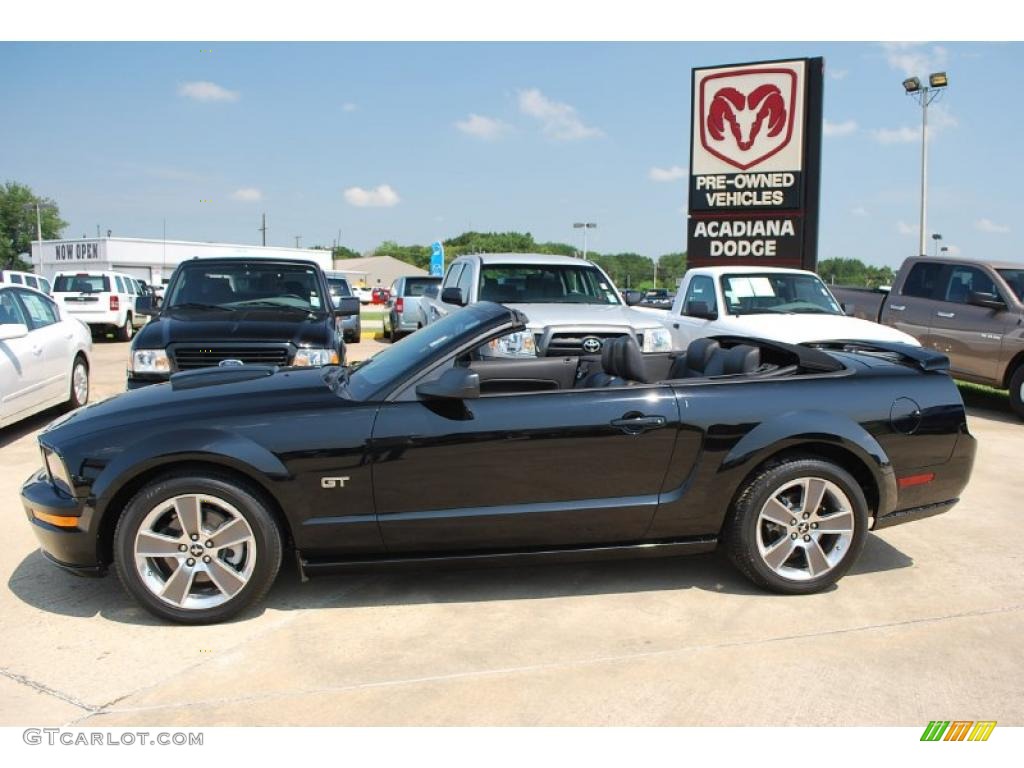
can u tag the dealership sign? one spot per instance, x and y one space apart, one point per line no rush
755 150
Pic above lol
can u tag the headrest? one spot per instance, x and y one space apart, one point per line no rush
699 353
742 358
624 358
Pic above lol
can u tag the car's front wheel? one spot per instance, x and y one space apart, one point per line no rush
197 549
79 394
797 526
1017 391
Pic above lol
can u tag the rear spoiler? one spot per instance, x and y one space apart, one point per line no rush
925 359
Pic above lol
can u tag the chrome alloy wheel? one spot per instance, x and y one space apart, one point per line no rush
195 551
805 528
80 383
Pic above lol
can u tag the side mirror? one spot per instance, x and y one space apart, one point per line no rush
632 298
988 300
453 384
12 331
700 309
453 296
346 306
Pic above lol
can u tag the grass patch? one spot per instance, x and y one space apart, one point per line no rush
980 396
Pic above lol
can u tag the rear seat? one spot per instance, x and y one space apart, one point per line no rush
705 357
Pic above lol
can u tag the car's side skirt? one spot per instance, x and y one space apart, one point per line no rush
321 566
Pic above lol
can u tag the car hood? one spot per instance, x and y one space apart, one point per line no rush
160 405
204 327
582 315
801 328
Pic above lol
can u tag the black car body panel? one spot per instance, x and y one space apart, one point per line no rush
390 477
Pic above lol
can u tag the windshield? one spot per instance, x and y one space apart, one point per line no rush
1015 279
416 286
81 284
545 284
775 292
415 351
246 285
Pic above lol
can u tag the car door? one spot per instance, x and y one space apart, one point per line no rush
21 374
515 471
52 343
971 336
913 309
684 328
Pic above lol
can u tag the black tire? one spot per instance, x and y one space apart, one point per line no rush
740 534
384 329
1016 384
126 331
249 503
75 398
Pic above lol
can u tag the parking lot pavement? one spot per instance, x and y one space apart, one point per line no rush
927 625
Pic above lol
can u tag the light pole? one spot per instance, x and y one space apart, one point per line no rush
925 95
936 237
584 226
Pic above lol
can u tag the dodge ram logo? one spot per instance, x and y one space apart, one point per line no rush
591 345
747 115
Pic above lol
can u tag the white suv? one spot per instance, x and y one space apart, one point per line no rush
13 277
105 301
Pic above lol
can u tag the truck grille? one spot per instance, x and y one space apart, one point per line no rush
572 343
187 358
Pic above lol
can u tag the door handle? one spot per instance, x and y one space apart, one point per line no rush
37 351
635 424
897 307
946 314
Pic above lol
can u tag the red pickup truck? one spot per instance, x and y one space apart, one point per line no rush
971 310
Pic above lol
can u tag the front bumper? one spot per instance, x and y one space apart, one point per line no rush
72 548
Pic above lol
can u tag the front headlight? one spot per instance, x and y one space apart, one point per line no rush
58 473
657 340
150 361
314 358
517 344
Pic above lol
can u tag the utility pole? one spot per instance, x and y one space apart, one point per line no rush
263 229
298 239
39 225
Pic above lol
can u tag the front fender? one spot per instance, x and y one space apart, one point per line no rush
798 427
192 444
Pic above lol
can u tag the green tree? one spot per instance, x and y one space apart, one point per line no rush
671 268
18 222
854 273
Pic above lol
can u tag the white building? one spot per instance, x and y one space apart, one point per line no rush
149 260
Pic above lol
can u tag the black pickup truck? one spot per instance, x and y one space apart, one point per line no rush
971 310
238 311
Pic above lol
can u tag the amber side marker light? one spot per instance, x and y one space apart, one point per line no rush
61 521
911 480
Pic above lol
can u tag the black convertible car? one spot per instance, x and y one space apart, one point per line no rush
451 445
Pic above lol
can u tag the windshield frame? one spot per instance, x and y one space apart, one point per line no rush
728 310
173 301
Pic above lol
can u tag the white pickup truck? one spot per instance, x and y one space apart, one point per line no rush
572 306
788 305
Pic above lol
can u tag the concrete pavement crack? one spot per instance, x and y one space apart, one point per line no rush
47 690
566 664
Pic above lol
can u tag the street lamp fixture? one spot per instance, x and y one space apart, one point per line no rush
925 95
936 237
584 226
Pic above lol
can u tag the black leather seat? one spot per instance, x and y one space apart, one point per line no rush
622 364
742 358
694 364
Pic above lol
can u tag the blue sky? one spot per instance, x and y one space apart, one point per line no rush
411 142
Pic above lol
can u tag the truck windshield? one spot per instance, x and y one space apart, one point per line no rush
246 285
774 292
545 284
1015 279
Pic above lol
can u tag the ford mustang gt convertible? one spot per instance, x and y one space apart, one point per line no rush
460 443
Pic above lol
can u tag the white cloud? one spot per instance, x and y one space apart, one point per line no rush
987 225
202 90
381 196
838 74
844 128
349 106
939 119
481 127
860 210
559 120
902 135
905 229
915 58
247 194
672 173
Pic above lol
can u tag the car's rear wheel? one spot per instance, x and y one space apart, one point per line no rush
797 526
126 331
1017 391
79 394
197 549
